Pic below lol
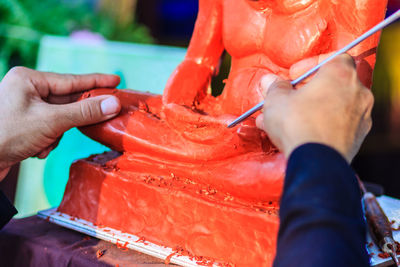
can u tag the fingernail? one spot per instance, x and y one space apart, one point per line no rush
109 106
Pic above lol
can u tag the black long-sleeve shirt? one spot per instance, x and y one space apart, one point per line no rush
7 210
321 215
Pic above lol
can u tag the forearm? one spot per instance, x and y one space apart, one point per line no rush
321 215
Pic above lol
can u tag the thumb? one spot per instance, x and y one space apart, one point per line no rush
87 111
267 81
260 122
273 85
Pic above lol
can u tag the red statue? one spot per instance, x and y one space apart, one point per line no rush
184 132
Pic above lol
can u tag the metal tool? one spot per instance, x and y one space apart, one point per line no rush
375 29
378 224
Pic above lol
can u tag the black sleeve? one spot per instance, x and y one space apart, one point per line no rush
7 210
321 216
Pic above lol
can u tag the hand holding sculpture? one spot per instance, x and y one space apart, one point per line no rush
334 109
38 107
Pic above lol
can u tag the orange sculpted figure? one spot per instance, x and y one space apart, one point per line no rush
188 125
184 179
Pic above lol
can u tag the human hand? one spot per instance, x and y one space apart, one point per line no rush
334 109
364 69
304 65
38 107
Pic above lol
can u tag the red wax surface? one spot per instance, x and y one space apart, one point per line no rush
172 211
183 135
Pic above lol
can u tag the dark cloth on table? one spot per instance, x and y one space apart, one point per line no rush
34 242
321 215
7 210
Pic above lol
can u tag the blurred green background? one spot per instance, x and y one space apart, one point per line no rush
24 22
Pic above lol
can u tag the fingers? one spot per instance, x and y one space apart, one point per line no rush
276 93
301 67
63 84
338 75
45 152
86 112
367 100
273 84
260 122
63 99
267 81
341 68
47 83
273 88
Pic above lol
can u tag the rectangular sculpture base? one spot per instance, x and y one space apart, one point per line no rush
175 212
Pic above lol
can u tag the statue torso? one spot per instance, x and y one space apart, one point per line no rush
283 37
262 40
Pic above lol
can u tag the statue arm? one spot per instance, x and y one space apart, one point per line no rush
191 79
206 44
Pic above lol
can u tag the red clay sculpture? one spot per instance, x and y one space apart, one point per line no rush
182 178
